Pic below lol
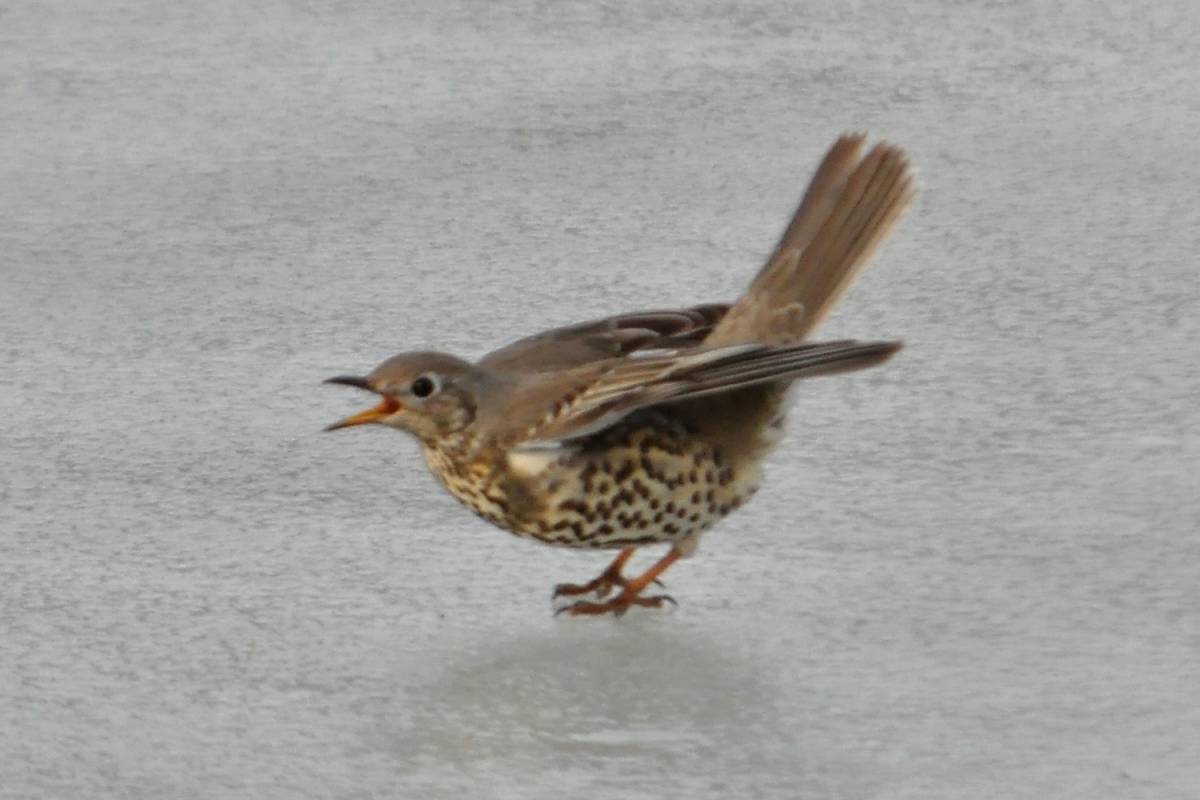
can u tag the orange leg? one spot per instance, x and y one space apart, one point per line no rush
630 591
602 585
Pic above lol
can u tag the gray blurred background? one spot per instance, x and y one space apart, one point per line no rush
973 573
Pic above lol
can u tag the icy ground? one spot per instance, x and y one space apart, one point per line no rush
974 573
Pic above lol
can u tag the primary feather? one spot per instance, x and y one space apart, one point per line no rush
610 391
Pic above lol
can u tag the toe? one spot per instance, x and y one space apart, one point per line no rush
616 606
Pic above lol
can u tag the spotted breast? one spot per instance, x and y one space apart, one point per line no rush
645 481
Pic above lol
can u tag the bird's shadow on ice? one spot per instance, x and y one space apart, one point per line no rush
632 692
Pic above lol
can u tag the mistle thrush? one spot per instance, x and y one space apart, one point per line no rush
648 428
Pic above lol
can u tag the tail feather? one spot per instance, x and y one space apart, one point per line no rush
849 208
827 184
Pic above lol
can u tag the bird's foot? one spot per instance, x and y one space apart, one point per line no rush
631 590
616 606
602 586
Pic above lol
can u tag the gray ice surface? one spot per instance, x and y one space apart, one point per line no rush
974 573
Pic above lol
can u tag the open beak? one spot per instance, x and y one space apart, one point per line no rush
386 407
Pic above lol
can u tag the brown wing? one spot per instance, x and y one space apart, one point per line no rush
564 348
593 397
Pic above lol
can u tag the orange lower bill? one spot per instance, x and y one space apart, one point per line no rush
386 408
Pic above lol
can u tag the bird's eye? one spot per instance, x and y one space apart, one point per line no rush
423 386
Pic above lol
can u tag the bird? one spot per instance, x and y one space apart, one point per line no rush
648 428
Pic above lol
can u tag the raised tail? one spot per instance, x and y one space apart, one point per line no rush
849 208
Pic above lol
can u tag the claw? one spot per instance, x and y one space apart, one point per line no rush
617 606
602 586
630 589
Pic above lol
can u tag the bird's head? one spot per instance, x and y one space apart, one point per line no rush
430 395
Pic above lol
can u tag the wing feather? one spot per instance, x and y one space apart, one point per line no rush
606 393
601 339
